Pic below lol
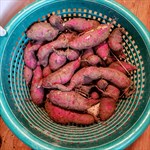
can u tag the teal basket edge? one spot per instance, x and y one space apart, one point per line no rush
35 143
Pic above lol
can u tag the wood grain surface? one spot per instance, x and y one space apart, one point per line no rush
141 8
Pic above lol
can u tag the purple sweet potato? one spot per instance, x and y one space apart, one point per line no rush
94 73
90 38
42 31
70 54
61 42
56 61
115 39
80 24
46 71
27 74
70 100
57 22
102 84
37 93
102 50
29 54
64 116
61 76
122 66
107 108
112 91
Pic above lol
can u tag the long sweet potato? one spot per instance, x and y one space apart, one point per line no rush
107 108
61 76
29 54
64 116
114 76
37 93
80 24
70 100
46 71
42 31
56 61
90 38
61 42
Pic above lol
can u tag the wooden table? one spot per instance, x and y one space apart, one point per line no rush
141 8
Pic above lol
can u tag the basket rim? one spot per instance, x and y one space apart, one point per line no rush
17 128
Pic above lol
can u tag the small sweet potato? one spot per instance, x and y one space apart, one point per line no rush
122 66
37 93
29 54
80 24
63 116
57 22
42 31
27 74
56 61
61 76
115 39
71 100
46 71
90 38
94 95
102 50
107 108
93 60
61 42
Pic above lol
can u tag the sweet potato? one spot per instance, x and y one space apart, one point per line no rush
64 116
29 54
27 74
115 39
122 66
94 73
61 42
112 91
90 38
46 71
87 53
107 108
94 95
70 54
37 93
42 31
71 100
93 60
56 22
80 24
56 61
102 50
102 84
61 76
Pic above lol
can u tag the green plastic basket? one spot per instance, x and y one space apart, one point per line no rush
31 124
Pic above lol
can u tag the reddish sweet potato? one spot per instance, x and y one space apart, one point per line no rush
87 53
112 91
102 84
27 74
29 56
70 54
90 38
61 42
56 22
93 60
94 95
115 39
80 24
102 50
56 61
64 116
42 31
122 66
114 76
37 93
61 76
70 100
46 71
107 108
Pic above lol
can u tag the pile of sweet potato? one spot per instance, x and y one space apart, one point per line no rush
76 69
